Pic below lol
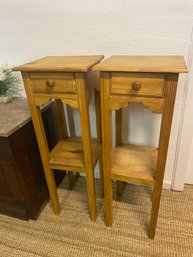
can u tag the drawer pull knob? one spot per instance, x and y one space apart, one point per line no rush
136 85
50 83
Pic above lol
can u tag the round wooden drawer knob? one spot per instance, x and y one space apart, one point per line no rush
50 83
136 85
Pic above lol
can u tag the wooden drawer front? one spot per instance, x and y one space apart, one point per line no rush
53 83
137 84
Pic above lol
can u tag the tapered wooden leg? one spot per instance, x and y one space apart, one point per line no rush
91 193
52 190
44 152
163 148
99 130
118 130
86 139
118 123
106 146
61 119
70 118
64 132
42 144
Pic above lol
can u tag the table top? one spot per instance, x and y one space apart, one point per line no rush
61 64
162 64
14 115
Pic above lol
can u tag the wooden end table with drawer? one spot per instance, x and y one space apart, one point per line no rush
151 81
68 80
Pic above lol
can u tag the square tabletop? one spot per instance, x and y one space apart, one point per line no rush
61 64
165 64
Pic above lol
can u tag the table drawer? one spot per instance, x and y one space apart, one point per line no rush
137 84
53 83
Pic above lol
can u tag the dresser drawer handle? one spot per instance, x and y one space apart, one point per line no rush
50 83
136 85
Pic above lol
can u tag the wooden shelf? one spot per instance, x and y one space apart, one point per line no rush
134 163
68 155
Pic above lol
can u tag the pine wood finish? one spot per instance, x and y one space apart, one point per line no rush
69 154
156 105
106 146
99 130
54 83
151 81
134 164
61 64
155 64
64 79
118 130
149 84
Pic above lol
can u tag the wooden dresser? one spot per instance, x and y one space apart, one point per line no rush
23 189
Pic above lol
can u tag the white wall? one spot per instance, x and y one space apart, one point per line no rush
183 171
32 29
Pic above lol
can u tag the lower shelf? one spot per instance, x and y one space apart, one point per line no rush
134 163
68 155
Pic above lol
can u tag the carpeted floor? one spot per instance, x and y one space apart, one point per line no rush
73 234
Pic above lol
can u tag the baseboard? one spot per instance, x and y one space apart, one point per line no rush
167 185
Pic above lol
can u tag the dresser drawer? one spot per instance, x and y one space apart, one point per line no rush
137 84
53 83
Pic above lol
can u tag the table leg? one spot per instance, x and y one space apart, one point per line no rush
99 130
86 139
64 132
106 146
163 148
118 130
